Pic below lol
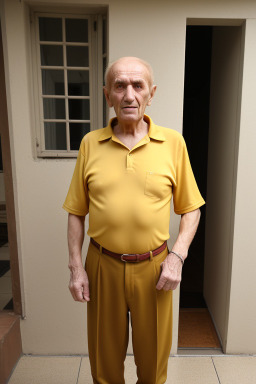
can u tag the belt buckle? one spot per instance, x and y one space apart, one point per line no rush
127 254
124 254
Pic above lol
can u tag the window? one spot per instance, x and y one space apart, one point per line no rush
70 60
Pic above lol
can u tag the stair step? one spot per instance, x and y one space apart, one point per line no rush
10 343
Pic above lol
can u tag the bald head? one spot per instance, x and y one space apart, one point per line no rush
131 63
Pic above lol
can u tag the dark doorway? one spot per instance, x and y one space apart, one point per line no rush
195 131
196 329
211 123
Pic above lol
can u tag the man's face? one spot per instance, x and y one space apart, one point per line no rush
129 90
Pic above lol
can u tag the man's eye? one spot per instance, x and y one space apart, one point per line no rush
138 86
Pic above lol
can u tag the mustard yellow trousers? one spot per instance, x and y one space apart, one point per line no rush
117 288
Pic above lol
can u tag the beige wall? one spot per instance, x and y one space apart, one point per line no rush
242 315
153 30
226 71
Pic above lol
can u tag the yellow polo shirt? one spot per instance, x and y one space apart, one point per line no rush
127 193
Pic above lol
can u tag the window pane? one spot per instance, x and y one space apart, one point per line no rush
77 30
79 109
50 29
52 82
55 136
54 109
78 56
77 132
51 55
78 83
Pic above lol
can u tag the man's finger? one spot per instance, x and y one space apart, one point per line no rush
162 279
168 287
77 293
161 282
86 292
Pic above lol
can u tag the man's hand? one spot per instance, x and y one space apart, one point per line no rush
171 273
172 266
79 284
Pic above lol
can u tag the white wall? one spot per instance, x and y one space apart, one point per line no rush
153 30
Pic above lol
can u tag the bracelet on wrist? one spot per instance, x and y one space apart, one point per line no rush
179 256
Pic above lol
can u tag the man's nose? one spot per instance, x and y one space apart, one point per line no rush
129 94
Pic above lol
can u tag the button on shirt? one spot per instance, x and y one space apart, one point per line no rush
127 193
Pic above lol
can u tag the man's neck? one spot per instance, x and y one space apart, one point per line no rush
130 133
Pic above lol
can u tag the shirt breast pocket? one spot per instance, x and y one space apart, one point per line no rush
157 185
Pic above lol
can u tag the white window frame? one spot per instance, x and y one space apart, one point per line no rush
95 22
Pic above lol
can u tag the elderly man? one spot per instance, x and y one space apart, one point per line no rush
125 177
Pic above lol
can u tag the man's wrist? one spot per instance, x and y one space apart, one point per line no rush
74 266
181 249
179 256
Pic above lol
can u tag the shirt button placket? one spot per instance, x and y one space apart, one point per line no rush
129 160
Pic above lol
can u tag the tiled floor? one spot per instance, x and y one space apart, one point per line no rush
215 369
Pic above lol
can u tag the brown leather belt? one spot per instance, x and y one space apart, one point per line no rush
131 258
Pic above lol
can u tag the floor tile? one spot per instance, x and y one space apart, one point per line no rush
236 369
191 370
46 370
181 370
130 370
199 352
85 372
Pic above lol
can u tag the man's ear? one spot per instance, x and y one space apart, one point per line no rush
106 93
153 90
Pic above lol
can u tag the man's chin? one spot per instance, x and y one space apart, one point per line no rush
130 116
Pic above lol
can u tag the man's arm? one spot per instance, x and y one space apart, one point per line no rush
79 283
172 266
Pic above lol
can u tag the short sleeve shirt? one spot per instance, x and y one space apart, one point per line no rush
127 192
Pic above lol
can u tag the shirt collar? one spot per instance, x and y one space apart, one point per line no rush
107 131
153 132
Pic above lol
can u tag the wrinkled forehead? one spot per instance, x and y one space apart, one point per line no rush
129 71
129 77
